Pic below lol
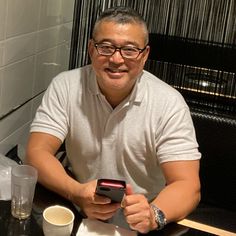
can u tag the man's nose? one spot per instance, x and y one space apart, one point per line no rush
117 56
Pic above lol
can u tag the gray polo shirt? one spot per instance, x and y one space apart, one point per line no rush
151 126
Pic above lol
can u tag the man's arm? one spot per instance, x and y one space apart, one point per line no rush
40 154
180 196
182 193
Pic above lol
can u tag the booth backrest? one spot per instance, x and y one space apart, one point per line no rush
216 136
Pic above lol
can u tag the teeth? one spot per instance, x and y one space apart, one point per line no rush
115 71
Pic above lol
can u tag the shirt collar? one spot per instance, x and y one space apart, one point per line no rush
93 85
136 95
138 90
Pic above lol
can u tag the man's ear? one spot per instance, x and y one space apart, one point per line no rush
146 53
90 47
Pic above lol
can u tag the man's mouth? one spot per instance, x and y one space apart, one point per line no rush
115 71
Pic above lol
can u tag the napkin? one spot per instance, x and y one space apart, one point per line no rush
90 227
5 177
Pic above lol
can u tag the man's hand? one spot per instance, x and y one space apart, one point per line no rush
93 205
137 212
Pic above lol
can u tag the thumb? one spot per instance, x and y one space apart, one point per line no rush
129 189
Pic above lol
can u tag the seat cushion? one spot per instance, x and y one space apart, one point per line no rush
216 136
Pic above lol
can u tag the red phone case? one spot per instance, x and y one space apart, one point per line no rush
111 188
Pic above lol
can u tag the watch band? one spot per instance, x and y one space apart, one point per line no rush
159 217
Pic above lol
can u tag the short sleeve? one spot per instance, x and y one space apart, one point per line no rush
51 116
178 139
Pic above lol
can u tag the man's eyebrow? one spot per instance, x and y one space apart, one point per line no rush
126 43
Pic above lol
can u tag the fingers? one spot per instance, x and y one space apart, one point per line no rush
141 221
104 212
101 208
93 205
138 213
97 199
141 227
129 190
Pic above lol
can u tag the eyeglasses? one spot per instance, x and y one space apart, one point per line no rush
129 52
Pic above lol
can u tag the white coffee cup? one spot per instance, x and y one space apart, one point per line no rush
58 221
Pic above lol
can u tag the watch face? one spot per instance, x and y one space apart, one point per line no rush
159 217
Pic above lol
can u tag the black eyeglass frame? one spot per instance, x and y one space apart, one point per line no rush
141 50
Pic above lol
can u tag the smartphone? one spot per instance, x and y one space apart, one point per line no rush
111 188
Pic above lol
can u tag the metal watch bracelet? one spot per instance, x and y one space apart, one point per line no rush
159 217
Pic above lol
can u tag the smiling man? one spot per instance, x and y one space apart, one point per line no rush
118 122
118 56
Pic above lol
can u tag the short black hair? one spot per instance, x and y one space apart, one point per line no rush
122 15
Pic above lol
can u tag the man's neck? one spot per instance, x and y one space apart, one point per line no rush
115 99
116 96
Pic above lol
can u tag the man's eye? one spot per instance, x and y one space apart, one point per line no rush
106 47
129 49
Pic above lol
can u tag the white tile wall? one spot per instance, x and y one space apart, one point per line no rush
54 12
34 47
14 122
45 69
62 55
65 32
1 52
18 48
18 137
2 18
17 84
50 14
66 7
52 36
22 17
55 36
35 104
1 88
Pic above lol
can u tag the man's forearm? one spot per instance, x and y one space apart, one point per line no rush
178 199
51 173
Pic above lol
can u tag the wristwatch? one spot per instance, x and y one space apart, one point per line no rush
159 217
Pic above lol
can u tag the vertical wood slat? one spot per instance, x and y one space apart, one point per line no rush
207 22
212 21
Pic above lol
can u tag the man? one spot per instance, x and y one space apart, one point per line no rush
119 122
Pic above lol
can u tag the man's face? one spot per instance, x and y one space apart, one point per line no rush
115 73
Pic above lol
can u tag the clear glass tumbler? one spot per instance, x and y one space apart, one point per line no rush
23 181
